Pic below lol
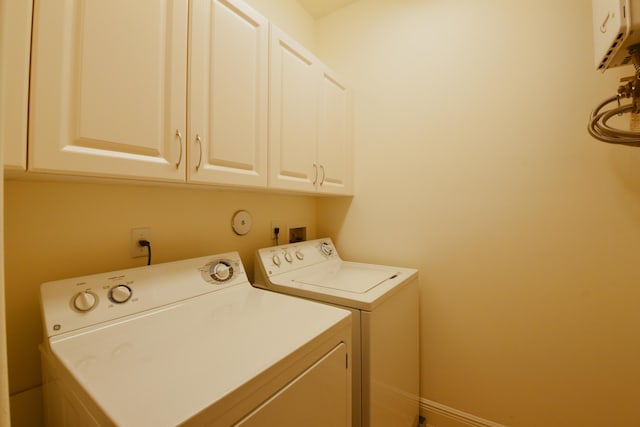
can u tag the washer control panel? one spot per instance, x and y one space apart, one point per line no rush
285 258
84 301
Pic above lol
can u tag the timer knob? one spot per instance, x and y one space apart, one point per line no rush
288 257
120 294
84 301
326 249
299 255
221 271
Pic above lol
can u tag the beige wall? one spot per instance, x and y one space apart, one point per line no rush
290 17
473 164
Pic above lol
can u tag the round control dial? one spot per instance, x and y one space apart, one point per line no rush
120 294
221 271
299 255
326 249
276 260
288 257
84 301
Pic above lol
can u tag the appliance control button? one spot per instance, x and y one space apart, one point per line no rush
120 294
288 257
276 260
299 254
326 249
84 301
221 271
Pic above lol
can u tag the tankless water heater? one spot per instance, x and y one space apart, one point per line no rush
616 27
616 42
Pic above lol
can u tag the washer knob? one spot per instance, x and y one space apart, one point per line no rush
288 257
221 271
276 260
84 301
120 294
326 249
299 254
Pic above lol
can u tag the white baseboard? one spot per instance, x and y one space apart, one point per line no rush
439 415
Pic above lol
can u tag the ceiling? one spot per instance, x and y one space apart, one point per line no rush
320 8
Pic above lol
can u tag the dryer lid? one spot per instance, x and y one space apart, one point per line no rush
165 366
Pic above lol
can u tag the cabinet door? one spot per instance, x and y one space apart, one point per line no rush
293 115
228 92
108 94
15 45
335 142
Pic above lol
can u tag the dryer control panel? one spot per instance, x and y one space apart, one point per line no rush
89 300
286 258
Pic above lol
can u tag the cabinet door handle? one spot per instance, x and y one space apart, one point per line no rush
199 141
179 135
315 176
323 175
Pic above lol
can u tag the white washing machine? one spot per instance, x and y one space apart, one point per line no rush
385 307
191 343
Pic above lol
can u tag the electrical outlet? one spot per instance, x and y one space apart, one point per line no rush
138 234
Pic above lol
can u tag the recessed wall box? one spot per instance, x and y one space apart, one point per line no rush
297 234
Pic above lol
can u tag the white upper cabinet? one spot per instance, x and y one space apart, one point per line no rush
179 91
15 44
310 144
228 94
294 114
335 140
108 88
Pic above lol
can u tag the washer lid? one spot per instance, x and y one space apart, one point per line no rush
346 277
345 283
165 366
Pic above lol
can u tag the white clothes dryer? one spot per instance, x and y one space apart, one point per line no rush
191 343
385 307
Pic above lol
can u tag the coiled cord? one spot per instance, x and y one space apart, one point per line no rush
600 130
